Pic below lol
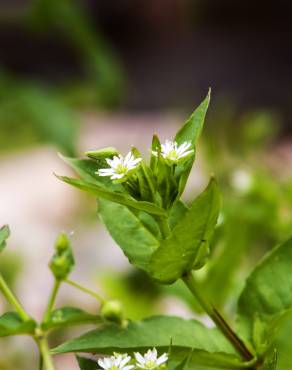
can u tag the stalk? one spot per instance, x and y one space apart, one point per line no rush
85 290
45 353
220 322
11 298
52 300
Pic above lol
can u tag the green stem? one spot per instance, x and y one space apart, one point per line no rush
45 353
226 330
52 300
10 297
164 226
85 290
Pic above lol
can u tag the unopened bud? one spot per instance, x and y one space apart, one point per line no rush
112 311
62 242
103 153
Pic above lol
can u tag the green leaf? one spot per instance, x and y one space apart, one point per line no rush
208 345
192 128
132 231
68 316
178 253
183 364
87 168
191 131
86 363
102 192
4 234
266 298
176 213
12 324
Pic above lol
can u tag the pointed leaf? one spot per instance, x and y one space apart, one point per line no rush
4 234
68 316
192 128
191 132
12 324
266 297
102 192
209 346
87 168
178 253
132 232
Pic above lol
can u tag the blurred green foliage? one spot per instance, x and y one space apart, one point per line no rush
32 111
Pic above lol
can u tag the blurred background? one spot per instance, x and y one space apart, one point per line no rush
81 74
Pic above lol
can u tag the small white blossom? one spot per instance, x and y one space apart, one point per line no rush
150 361
116 362
119 166
241 181
173 153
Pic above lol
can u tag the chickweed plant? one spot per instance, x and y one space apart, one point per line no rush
140 204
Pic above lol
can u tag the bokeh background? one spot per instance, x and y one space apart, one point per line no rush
81 74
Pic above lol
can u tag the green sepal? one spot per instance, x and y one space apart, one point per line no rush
108 152
4 234
185 249
12 324
62 261
145 179
69 316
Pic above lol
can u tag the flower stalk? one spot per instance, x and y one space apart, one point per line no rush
85 290
52 300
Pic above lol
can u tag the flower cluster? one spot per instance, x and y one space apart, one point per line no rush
120 168
148 361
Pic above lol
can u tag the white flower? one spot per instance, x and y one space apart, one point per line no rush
119 166
173 153
241 181
116 362
149 360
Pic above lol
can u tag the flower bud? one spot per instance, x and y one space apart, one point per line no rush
62 261
112 311
62 243
103 153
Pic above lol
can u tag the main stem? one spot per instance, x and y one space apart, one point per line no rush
10 297
237 343
45 352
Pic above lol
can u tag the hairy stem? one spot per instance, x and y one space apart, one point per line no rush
10 297
226 330
85 290
52 300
